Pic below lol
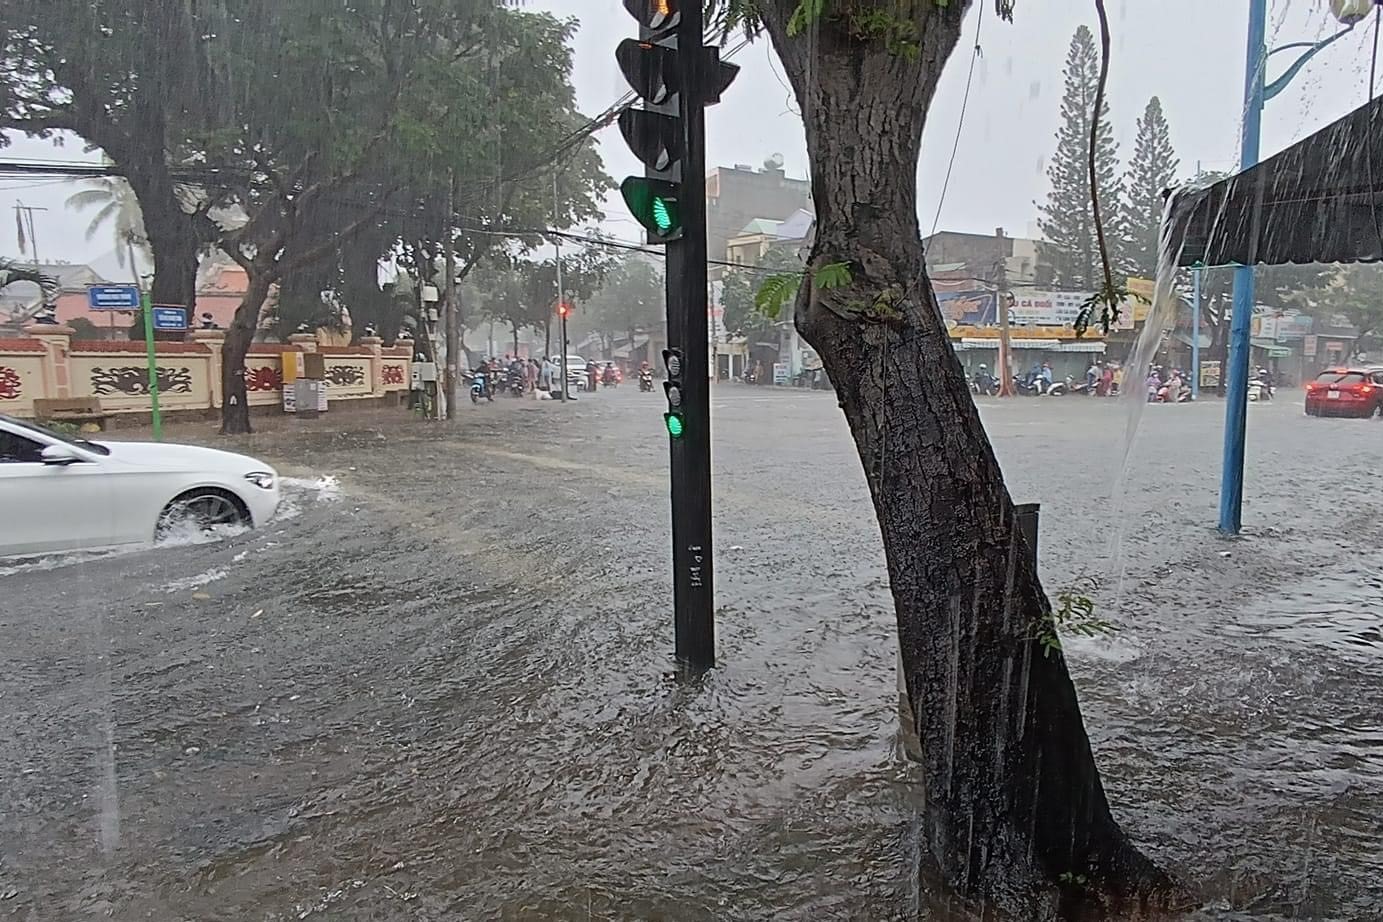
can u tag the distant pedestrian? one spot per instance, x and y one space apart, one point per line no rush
546 375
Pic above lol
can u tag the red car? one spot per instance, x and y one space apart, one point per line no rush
1346 392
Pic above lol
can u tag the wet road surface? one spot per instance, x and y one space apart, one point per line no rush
436 687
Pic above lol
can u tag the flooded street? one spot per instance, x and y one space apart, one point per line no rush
437 687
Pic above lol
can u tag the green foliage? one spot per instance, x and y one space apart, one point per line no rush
1151 170
777 290
1068 218
806 13
1073 614
833 275
630 298
1354 292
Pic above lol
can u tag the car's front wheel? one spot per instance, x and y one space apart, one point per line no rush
201 510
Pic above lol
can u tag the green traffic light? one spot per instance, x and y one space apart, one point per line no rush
653 203
663 214
675 426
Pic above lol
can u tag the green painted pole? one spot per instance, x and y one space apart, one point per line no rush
146 303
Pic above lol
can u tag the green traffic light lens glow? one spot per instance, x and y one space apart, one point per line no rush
662 215
674 425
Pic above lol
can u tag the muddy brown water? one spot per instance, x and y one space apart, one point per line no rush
436 688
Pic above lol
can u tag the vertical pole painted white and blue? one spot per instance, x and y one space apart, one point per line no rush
1236 381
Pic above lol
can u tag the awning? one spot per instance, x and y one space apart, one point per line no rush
970 343
1319 201
1271 347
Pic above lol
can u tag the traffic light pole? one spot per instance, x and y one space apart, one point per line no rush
692 584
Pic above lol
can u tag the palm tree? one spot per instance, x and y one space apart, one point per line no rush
118 206
11 272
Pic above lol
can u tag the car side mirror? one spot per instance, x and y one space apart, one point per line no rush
59 455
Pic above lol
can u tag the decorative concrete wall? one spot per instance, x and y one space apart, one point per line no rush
49 363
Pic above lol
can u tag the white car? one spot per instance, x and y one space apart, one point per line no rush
576 372
63 493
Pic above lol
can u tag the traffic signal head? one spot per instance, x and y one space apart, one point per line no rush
654 203
650 69
563 309
655 139
672 387
655 14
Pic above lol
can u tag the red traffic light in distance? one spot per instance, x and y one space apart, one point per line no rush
563 308
655 14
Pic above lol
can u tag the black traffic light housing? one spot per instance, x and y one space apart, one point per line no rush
674 388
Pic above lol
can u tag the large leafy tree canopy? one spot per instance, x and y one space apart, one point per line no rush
630 298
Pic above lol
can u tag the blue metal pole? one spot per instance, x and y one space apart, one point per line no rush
1195 334
1237 380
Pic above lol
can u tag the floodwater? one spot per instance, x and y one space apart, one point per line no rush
438 687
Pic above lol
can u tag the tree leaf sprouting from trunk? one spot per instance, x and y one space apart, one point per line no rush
777 290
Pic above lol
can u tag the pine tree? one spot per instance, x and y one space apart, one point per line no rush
1151 170
1068 217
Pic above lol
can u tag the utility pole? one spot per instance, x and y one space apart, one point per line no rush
677 77
1241 323
1236 376
561 295
453 314
1001 300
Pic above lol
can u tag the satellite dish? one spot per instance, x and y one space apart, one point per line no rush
774 162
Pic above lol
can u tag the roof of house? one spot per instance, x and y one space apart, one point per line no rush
797 225
760 226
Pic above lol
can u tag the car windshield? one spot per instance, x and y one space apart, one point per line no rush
94 447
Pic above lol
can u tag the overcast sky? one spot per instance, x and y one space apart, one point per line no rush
1188 52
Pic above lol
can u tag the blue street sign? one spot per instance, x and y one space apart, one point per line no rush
113 297
170 318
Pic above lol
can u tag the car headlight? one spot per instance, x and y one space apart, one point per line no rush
262 479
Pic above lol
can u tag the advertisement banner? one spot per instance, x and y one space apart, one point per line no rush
967 306
1036 307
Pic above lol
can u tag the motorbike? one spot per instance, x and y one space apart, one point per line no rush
516 384
480 388
608 379
1260 391
1164 394
1034 388
645 381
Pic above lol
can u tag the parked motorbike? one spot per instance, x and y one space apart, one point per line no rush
645 381
516 385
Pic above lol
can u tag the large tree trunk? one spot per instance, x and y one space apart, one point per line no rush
1016 819
235 410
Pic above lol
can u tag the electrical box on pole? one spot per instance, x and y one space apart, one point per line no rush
677 76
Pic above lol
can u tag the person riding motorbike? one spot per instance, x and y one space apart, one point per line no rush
984 381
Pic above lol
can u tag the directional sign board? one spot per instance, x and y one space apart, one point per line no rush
113 297
170 318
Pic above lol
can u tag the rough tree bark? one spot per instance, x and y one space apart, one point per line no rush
235 410
1016 819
